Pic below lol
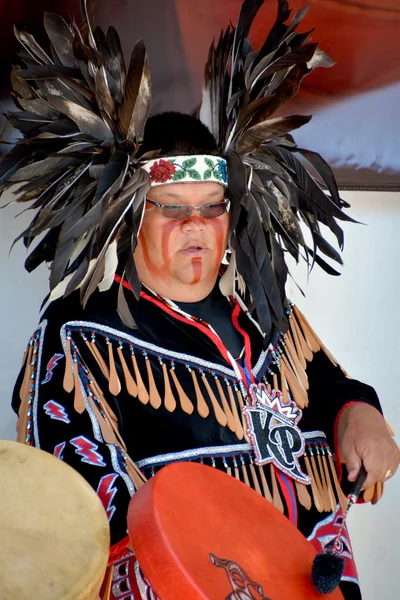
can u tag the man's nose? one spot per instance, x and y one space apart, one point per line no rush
195 221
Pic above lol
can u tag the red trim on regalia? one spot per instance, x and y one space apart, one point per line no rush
119 550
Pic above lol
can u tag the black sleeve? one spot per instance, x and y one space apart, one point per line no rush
55 426
330 390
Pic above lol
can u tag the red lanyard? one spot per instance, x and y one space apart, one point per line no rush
245 374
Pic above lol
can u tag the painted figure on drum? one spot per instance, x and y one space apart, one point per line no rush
166 238
243 587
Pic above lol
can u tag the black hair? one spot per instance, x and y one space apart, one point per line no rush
177 134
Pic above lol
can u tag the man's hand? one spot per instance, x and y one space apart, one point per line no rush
363 438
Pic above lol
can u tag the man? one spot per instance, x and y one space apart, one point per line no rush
170 352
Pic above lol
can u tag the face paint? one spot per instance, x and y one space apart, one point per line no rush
157 272
197 268
220 243
165 250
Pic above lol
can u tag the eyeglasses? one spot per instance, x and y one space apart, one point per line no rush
180 212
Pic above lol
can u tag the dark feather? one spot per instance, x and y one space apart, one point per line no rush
31 45
253 137
61 37
115 64
123 308
135 106
87 121
48 71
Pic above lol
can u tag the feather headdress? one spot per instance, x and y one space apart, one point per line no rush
82 118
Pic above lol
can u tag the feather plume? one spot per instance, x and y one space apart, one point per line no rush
82 121
272 189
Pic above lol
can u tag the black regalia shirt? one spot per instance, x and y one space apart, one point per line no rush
171 374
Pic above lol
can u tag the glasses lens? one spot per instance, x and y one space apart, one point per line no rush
175 211
210 211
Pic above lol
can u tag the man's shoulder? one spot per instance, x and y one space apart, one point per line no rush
101 308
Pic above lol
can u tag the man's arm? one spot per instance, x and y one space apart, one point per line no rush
353 421
55 426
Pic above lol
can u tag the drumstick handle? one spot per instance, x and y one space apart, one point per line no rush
356 489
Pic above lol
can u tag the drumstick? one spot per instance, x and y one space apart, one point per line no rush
328 567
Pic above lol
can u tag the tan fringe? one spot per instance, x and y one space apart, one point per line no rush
108 587
299 339
26 381
229 416
245 474
143 394
306 329
339 492
137 477
155 398
318 483
275 384
294 361
238 428
169 399
254 478
276 497
329 484
219 413
79 399
283 382
68 382
378 491
202 406
241 405
297 391
129 381
185 402
314 489
114 384
297 349
98 392
303 495
324 484
105 427
98 358
368 494
266 491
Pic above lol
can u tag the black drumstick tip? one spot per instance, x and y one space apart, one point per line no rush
327 571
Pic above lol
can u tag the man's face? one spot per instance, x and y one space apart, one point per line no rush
175 256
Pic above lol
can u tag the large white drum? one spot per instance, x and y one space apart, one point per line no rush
54 532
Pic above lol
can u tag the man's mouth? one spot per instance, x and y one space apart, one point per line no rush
194 249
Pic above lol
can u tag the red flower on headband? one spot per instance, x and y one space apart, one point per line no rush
162 171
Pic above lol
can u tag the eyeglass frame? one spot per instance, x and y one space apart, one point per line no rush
226 203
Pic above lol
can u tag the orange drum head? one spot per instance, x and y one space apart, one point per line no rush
200 534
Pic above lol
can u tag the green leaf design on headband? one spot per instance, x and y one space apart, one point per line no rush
207 174
193 174
217 175
189 163
178 175
209 164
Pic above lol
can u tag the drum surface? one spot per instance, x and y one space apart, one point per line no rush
53 528
200 534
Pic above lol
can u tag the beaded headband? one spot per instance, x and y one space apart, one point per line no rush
187 169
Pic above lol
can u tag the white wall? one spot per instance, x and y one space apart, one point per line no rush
356 315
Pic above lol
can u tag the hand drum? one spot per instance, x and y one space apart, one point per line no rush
54 531
200 534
